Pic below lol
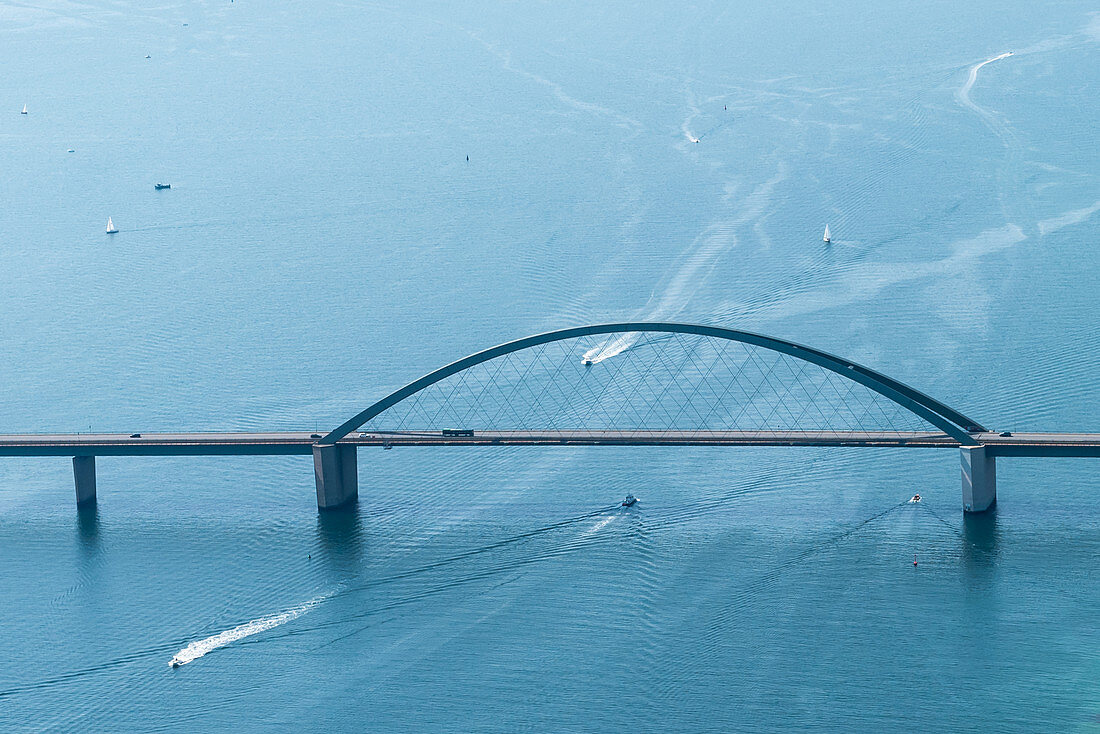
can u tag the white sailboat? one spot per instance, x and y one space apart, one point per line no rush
111 229
24 110
828 237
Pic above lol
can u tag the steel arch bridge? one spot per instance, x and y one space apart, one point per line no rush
621 384
950 421
652 383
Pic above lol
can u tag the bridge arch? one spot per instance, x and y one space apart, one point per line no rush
948 420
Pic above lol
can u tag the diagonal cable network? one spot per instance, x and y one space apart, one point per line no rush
677 382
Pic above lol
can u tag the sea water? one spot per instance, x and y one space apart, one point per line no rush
326 240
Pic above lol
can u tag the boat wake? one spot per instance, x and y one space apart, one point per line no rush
613 348
600 525
1068 219
1008 171
704 254
963 95
197 649
865 281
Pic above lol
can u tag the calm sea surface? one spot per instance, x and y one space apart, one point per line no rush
325 241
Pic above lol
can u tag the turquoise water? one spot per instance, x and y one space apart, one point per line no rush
326 241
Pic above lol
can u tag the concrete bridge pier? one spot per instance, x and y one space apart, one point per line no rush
979 479
337 475
84 475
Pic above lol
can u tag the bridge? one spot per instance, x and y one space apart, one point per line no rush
620 384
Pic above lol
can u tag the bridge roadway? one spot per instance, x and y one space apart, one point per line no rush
290 443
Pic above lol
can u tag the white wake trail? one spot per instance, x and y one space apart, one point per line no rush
963 95
1068 219
615 347
199 648
707 249
685 126
600 525
996 126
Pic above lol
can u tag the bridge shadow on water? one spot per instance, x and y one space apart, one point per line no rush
341 539
87 525
980 540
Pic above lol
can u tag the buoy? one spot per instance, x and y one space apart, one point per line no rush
914 559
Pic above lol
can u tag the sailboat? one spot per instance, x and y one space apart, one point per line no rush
111 229
828 237
24 110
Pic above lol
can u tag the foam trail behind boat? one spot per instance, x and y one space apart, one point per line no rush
963 95
600 525
617 346
199 648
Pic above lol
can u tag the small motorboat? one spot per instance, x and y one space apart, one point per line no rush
630 500
158 187
914 499
176 662
588 363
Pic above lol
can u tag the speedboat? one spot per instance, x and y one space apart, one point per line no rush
915 499
588 363
630 499
176 662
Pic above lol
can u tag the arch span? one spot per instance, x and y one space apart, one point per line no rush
950 421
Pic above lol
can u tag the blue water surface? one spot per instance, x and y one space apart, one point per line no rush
325 240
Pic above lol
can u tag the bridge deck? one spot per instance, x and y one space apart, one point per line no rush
285 443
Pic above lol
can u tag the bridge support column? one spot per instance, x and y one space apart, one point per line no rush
84 475
337 475
979 479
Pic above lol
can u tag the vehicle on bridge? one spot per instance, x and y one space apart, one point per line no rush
668 384
663 384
